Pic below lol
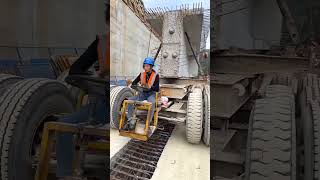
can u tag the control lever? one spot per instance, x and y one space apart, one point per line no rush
139 88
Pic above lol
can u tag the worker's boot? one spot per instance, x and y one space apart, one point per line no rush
130 125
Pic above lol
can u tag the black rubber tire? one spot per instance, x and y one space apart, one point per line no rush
311 84
23 108
278 91
271 144
194 116
6 80
307 124
307 103
315 107
206 121
112 86
117 96
311 80
282 79
75 93
286 79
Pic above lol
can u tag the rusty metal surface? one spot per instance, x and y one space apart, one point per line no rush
257 64
174 91
138 160
227 79
173 120
177 107
227 99
49 134
169 82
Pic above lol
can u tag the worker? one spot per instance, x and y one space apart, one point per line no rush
97 51
150 80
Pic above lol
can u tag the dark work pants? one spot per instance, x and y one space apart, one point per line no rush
149 96
65 147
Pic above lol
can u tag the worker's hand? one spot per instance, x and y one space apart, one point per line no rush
133 86
129 82
101 74
146 87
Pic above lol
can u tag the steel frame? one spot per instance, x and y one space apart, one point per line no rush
140 106
49 133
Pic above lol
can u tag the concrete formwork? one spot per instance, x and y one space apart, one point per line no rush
131 41
174 61
177 60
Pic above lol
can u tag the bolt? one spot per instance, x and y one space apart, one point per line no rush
165 54
174 55
171 31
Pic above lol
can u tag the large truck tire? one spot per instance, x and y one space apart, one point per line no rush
112 86
279 91
117 96
75 93
311 80
282 79
6 80
308 134
194 116
311 85
23 110
206 122
309 99
286 79
315 107
271 144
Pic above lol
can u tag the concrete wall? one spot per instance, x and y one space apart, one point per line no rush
257 26
174 62
72 23
131 41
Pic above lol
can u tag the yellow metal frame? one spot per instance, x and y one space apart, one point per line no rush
80 99
50 130
140 106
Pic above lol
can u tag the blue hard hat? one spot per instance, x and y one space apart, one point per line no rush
149 60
